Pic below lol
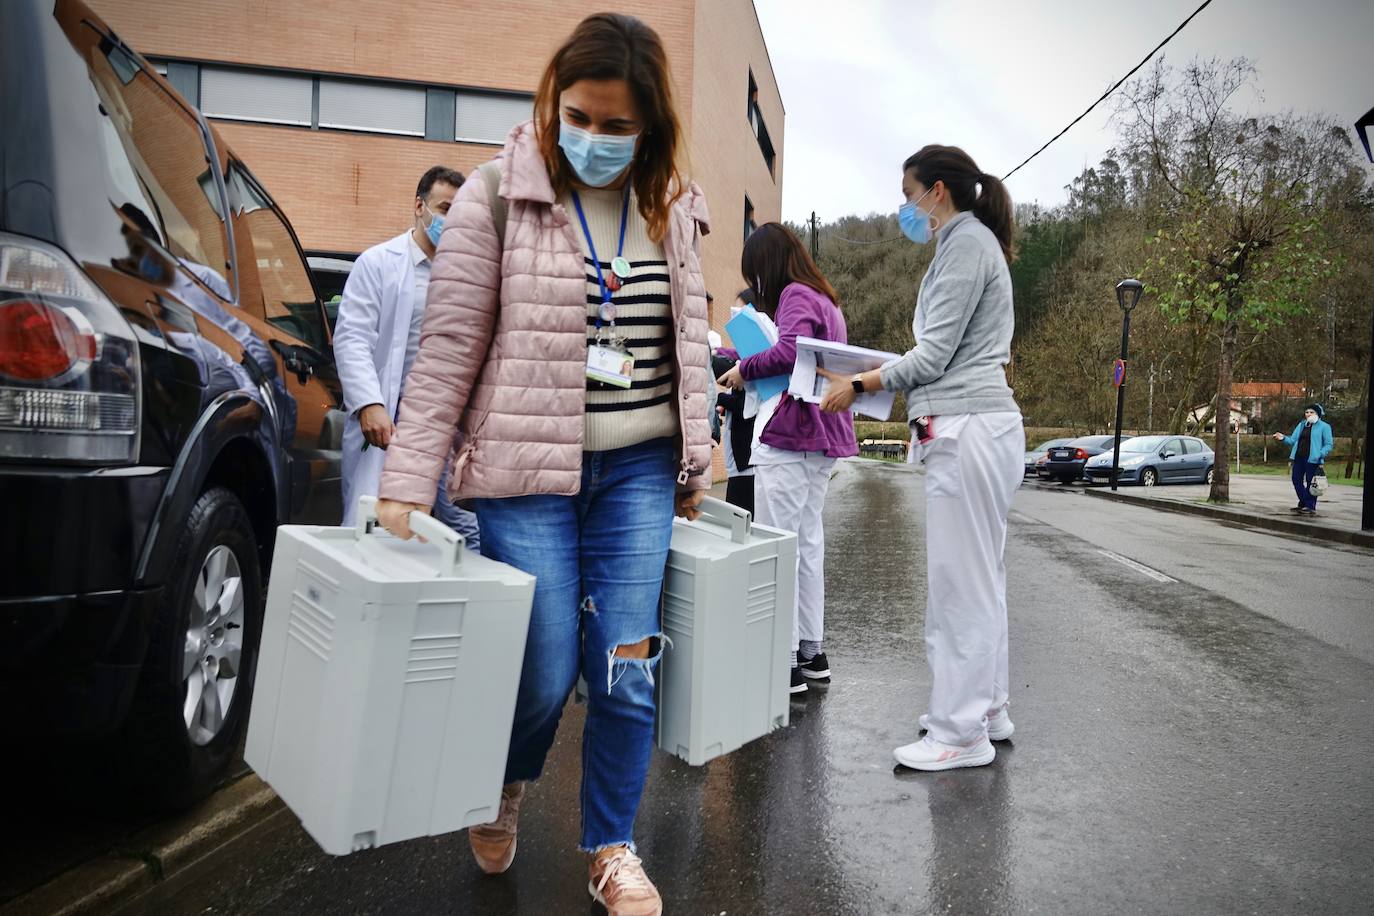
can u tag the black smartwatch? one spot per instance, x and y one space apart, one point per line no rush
857 383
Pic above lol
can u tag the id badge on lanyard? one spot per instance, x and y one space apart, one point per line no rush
611 362
608 359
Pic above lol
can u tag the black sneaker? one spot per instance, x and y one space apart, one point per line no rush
817 668
798 682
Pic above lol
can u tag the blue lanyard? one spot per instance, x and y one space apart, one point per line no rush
619 250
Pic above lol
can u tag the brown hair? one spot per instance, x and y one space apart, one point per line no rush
773 257
610 46
962 178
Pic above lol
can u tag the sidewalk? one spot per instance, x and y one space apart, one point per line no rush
1262 501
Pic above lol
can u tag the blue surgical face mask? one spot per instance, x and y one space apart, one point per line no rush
598 159
436 226
914 221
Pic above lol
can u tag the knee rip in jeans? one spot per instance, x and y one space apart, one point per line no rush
637 656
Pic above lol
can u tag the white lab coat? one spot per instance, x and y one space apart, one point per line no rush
369 348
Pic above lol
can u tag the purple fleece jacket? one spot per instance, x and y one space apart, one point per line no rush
796 425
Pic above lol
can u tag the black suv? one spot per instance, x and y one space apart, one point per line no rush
167 398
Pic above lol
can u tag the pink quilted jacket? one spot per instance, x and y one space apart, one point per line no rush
503 349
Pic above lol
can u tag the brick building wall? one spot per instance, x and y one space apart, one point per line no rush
726 159
344 190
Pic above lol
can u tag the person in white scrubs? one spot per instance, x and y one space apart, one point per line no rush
795 446
375 341
967 428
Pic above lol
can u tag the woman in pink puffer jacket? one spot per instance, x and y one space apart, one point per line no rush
571 356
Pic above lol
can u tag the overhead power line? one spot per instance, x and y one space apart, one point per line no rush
840 238
1102 98
1115 86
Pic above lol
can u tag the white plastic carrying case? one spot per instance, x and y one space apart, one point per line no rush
728 597
386 681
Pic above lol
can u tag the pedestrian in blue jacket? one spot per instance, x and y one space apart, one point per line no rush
1311 441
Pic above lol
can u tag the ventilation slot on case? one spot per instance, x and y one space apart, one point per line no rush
433 658
762 603
312 626
678 615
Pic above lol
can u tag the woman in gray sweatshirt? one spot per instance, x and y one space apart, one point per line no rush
968 428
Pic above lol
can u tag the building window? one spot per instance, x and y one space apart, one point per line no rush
749 224
251 95
485 118
758 127
375 107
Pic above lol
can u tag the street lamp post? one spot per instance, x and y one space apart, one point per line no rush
1367 511
1127 295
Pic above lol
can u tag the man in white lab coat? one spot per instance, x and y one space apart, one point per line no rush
375 341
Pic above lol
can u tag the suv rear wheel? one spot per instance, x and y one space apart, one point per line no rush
194 692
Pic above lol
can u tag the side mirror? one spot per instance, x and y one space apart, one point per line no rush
300 360
1166 454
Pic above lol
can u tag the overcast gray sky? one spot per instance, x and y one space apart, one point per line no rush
868 82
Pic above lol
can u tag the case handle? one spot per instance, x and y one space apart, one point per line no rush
728 515
449 542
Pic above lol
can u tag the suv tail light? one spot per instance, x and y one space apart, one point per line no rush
40 341
69 366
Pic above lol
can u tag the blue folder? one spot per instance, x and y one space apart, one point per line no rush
750 340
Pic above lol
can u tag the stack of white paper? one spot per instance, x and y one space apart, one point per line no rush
842 359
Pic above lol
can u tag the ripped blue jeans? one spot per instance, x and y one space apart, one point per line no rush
598 559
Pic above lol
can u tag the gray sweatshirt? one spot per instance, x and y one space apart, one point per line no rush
963 326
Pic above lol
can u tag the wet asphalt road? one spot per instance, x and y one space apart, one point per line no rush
1196 746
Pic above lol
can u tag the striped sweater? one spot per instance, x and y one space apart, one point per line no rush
618 417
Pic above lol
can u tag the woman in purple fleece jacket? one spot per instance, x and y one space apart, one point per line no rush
799 444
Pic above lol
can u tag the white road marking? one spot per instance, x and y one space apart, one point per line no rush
1138 567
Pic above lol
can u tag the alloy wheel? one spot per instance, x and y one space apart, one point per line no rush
213 649
1148 478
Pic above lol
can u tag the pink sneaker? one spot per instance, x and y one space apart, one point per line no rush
929 754
617 882
493 845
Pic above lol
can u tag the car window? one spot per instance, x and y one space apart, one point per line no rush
287 296
1174 445
1142 444
157 167
1191 446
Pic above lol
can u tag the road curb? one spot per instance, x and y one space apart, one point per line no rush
151 856
1219 513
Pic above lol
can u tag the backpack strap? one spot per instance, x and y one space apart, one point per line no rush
491 177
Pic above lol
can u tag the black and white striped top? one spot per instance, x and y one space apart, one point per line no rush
619 417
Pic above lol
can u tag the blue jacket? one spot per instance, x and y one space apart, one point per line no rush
1321 442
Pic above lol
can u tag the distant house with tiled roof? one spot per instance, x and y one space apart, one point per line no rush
1248 401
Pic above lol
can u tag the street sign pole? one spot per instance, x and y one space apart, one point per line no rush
1120 380
1367 514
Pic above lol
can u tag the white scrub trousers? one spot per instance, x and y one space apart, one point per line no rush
789 493
974 464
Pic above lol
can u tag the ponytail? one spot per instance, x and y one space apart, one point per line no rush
969 189
993 209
